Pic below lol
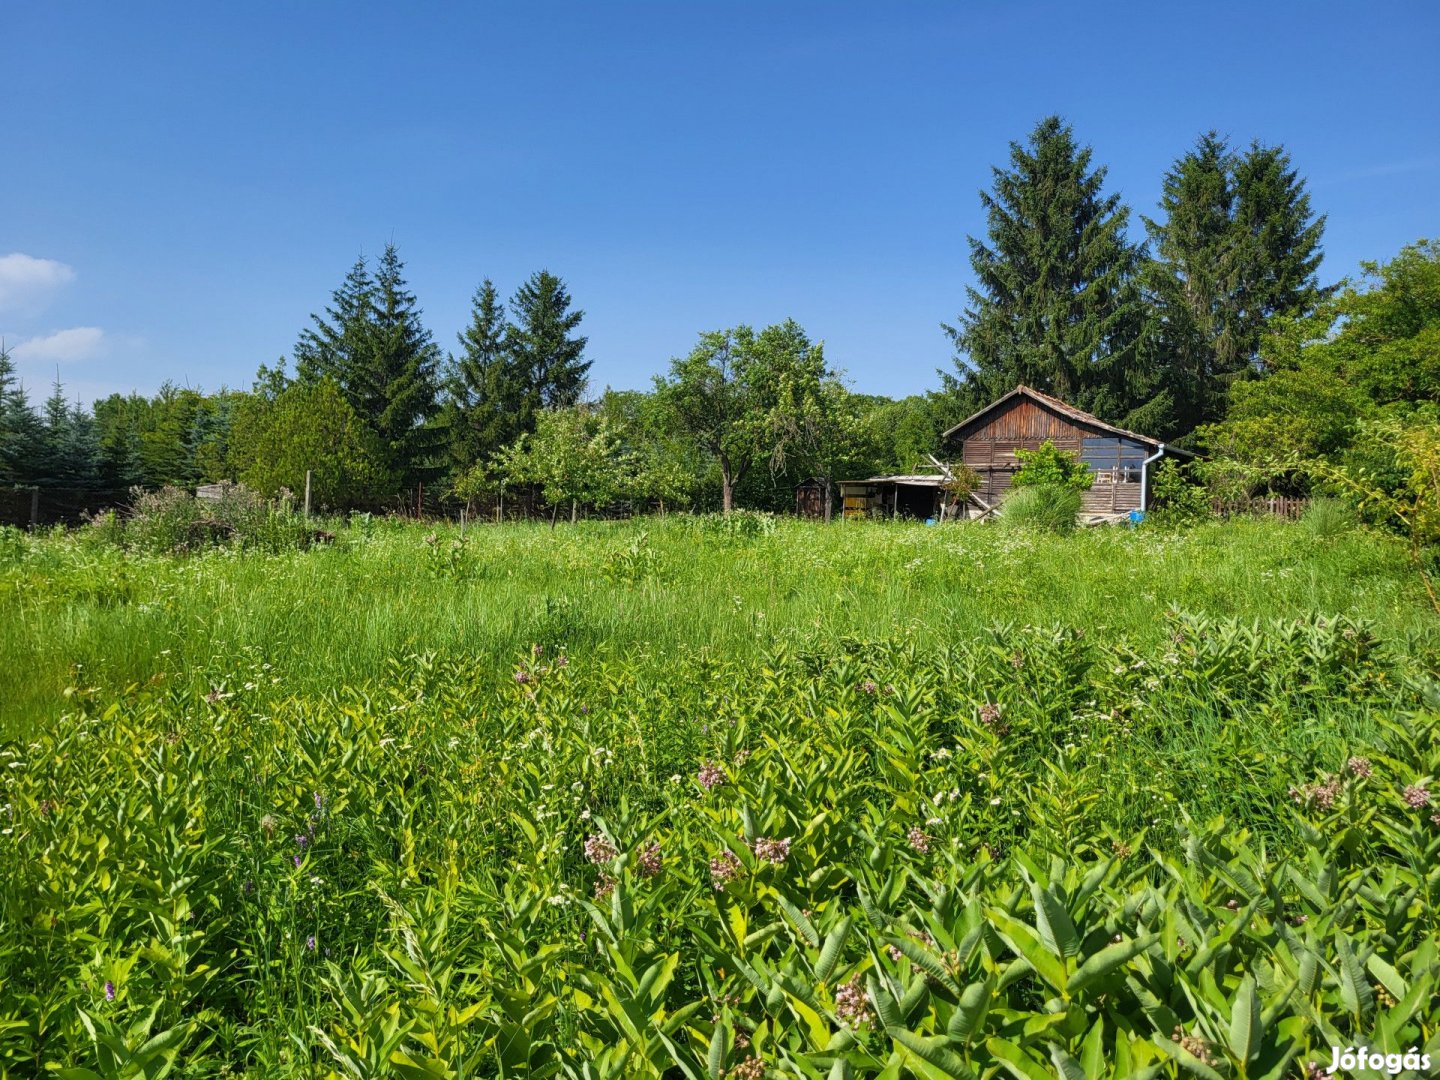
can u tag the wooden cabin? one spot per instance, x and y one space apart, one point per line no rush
1123 461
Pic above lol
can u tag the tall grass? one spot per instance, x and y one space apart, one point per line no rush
76 613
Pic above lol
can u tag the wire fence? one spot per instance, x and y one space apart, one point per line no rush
38 507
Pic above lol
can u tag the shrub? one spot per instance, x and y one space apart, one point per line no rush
1050 466
172 520
1043 508
1176 501
737 524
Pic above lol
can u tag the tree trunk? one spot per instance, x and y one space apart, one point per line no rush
727 491
574 511
827 500
554 514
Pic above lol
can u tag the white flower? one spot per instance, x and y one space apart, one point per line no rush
585 814
995 801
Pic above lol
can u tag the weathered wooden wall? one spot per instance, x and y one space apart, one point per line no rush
1025 425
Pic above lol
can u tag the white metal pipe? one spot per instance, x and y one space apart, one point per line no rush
1144 474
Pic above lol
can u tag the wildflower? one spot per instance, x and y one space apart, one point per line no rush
869 687
742 1039
741 756
267 824
213 696
319 801
1299 920
918 841
1359 766
109 990
852 1003
604 886
772 851
522 677
648 863
724 868
536 650
895 953
711 776
1017 660
1195 1045
1416 796
989 713
1232 905
297 859
599 850
562 661
301 839
310 943
1119 849
752 1068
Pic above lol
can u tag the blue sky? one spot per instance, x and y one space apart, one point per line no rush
183 184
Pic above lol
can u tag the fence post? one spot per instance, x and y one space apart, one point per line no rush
307 494
34 507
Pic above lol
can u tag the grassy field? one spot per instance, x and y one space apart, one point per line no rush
704 799
303 622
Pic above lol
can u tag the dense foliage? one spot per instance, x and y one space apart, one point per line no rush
1014 852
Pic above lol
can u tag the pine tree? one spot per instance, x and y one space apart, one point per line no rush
14 421
334 345
372 343
545 354
401 378
1236 246
488 402
1057 305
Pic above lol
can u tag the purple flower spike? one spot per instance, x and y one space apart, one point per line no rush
109 990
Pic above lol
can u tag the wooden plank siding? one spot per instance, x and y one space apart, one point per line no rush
1023 424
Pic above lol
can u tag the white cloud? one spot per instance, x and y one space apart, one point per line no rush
26 281
62 347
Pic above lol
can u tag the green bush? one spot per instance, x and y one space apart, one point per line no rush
1050 466
1043 508
1176 500
174 521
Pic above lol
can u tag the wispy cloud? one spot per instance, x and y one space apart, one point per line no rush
62 347
26 281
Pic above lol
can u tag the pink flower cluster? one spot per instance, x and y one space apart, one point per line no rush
852 1003
599 850
918 840
772 851
1416 796
724 868
1359 766
1321 794
711 776
869 687
752 1068
648 861
989 713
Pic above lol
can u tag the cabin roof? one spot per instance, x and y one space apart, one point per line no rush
1056 405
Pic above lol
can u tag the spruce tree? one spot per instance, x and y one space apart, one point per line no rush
400 378
13 421
488 403
545 354
1236 245
372 342
1057 305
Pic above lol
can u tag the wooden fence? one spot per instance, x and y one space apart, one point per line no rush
1284 506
